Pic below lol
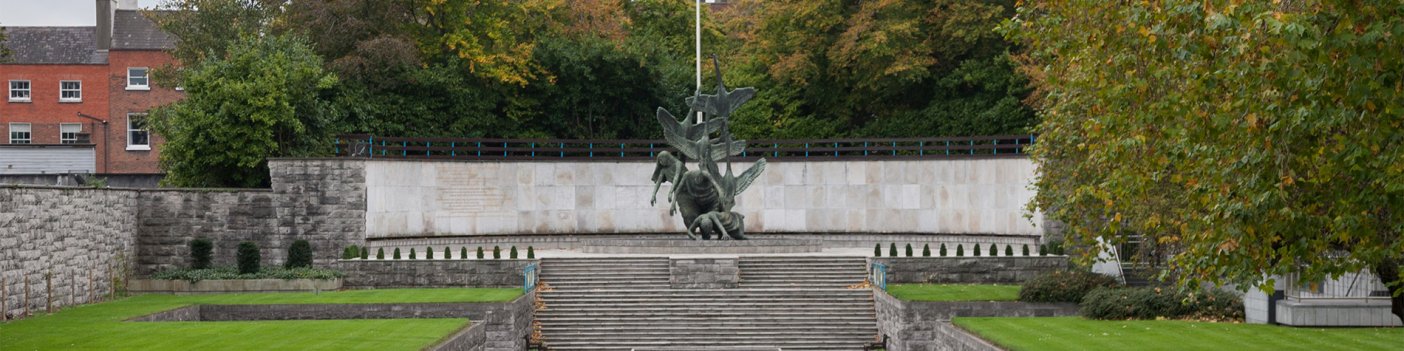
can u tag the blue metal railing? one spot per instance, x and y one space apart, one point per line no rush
877 274
529 278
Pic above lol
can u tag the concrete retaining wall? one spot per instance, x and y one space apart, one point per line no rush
968 270
432 273
446 198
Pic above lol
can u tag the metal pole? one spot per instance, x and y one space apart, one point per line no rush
697 22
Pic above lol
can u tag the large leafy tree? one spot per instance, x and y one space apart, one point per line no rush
1260 139
264 98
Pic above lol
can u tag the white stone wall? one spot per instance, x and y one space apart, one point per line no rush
951 196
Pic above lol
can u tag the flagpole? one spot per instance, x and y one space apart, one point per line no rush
698 23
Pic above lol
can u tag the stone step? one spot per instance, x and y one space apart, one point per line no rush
719 293
704 346
704 309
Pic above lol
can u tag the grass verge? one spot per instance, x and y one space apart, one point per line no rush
1074 333
102 326
953 292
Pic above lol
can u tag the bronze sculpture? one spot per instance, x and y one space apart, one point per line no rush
705 196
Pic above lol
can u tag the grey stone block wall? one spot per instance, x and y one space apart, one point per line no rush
969 270
922 325
472 338
170 219
68 243
703 273
431 273
323 202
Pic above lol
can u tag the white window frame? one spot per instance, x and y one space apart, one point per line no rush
78 91
146 78
28 91
69 139
137 147
28 131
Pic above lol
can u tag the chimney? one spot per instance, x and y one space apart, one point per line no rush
127 5
104 25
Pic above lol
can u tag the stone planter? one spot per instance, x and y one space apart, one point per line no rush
231 285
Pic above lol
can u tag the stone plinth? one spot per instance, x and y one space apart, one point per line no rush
685 246
703 273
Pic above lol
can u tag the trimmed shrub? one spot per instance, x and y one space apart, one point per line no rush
1009 250
925 250
909 250
350 252
411 253
1026 250
463 253
994 250
201 253
977 250
397 254
877 250
480 252
1153 303
531 253
513 253
248 257
943 249
1055 248
299 255
892 250
365 253
380 253
1063 286
1043 249
496 252
960 250
447 252
429 253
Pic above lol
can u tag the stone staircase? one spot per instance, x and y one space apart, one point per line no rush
626 304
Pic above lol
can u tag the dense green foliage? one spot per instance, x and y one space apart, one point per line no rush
411 253
954 292
892 250
977 250
1153 303
925 250
380 253
960 250
201 253
943 250
1063 286
908 250
496 252
195 275
1073 333
1245 140
429 253
248 258
480 252
299 255
512 254
531 253
396 254
877 250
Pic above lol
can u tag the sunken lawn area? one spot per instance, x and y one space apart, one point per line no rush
103 326
1074 333
954 292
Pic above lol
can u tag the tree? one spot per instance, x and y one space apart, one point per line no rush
1256 139
266 98
207 29
4 50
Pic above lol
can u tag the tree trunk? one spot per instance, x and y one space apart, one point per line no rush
1388 270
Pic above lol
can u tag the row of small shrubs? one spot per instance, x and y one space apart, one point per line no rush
195 275
959 250
247 256
1155 303
364 253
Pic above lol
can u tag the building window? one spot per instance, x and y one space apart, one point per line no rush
19 91
70 90
68 132
19 133
138 138
137 79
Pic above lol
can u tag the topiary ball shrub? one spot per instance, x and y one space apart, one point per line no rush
463 253
513 253
299 255
201 253
411 253
480 252
1008 250
1026 250
397 254
943 250
429 253
248 257
977 250
925 250
496 252
1153 303
380 253
960 250
1063 286
877 250
892 250
531 253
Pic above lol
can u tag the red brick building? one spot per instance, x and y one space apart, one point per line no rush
71 87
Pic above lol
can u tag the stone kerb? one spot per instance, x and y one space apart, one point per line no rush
968 270
231 285
703 273
432 273
471 338
926 325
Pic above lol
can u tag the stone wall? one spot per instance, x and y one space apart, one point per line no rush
471 338
170 219
924 325
968 270
703 273
431 273
324 202
947 196
62 246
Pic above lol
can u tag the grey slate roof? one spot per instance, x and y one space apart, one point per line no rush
53 45
133 31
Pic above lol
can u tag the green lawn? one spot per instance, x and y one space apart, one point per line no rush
953 292
102 326
1074 333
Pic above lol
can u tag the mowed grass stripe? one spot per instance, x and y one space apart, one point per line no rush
103 326
1073 333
